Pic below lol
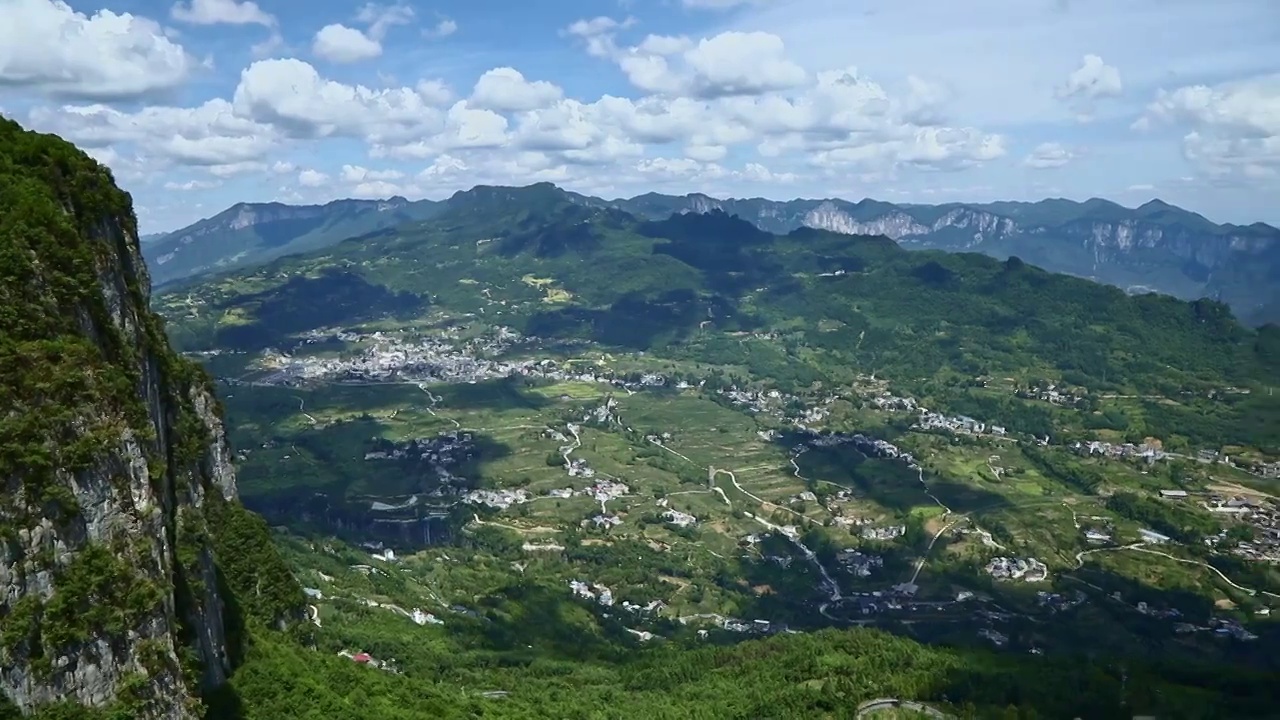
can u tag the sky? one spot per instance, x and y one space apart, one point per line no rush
200 104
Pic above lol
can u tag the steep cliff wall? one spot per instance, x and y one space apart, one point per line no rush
112 458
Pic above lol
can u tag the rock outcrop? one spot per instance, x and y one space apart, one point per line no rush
112 456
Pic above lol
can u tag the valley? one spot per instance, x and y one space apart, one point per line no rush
725 480
727 466
680 360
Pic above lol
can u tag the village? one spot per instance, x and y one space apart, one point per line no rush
448 357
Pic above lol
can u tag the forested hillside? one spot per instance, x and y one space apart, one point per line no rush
833 300
131 574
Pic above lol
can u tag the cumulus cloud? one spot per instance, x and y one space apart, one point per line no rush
381 18
1048 155
292 96
727 64
442 29
208 135
1087 84
339 43
312 178
48 46
504 89
221 12
1232 129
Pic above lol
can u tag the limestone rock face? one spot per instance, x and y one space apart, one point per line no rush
110 448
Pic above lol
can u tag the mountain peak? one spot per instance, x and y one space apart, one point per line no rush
1155 205
537 192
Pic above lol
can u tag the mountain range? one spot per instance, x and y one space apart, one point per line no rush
247 234
1156 247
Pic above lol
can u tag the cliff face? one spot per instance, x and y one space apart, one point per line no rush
112 457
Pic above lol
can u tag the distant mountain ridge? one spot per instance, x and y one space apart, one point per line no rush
1155 247
251 233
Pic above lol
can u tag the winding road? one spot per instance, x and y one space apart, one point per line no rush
879 704
435 400
302 408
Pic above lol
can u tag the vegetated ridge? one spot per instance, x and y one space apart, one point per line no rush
251 233
129 572
1153 248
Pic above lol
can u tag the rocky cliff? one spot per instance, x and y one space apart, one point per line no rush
112 458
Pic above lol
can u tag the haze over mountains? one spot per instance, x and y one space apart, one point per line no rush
1156 247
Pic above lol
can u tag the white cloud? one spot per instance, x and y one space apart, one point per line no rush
721 4
442 29
504 89
209 135
1087 84
381 189
435 92
464 127
1093 79
727 64
381 18
312 178
291 96
1048 155
224 12
357 174
233 169
193 185
46 45
735 63
706 153
598 32
1233 129
340 44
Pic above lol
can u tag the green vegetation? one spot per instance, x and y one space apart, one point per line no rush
81 360
813 675
728 511
683 287
713 303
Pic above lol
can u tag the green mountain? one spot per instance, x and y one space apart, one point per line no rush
1153 248
131 573
251 233
642 285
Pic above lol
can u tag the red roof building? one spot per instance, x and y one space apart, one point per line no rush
361 657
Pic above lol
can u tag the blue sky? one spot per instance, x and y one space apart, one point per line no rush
200 104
